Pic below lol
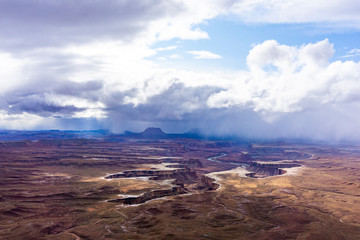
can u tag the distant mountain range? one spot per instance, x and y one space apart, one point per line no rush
149 133
14 135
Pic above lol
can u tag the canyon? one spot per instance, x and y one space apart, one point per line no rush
160 186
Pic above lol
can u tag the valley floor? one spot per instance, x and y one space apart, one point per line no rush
58 190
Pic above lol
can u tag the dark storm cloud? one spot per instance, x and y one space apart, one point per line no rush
180 108
33 100
172 104
88 90
330 124
36 23
43 109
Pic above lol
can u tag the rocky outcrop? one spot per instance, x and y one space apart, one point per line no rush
149 133
207 183
183 175
251 174
150 195
177 166
153 133
147 173
269 169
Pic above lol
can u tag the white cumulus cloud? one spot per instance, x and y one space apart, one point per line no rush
284 78
204 55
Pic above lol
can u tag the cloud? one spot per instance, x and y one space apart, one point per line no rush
62 59
22 121
298 84
56 98
336 13
168 48
172 103
288 91
174 56
24 23
204 55
286 78
10 71
352 53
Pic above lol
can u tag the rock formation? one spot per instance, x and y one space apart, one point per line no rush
150 195
207 183
269 169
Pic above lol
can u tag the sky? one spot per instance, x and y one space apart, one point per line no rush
248 68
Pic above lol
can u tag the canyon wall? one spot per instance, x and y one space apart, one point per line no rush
269 169
150 195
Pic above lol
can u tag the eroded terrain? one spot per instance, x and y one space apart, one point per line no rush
178 189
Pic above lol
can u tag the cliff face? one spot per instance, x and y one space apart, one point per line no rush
207 183
146 173
150 195
182 175
269 169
